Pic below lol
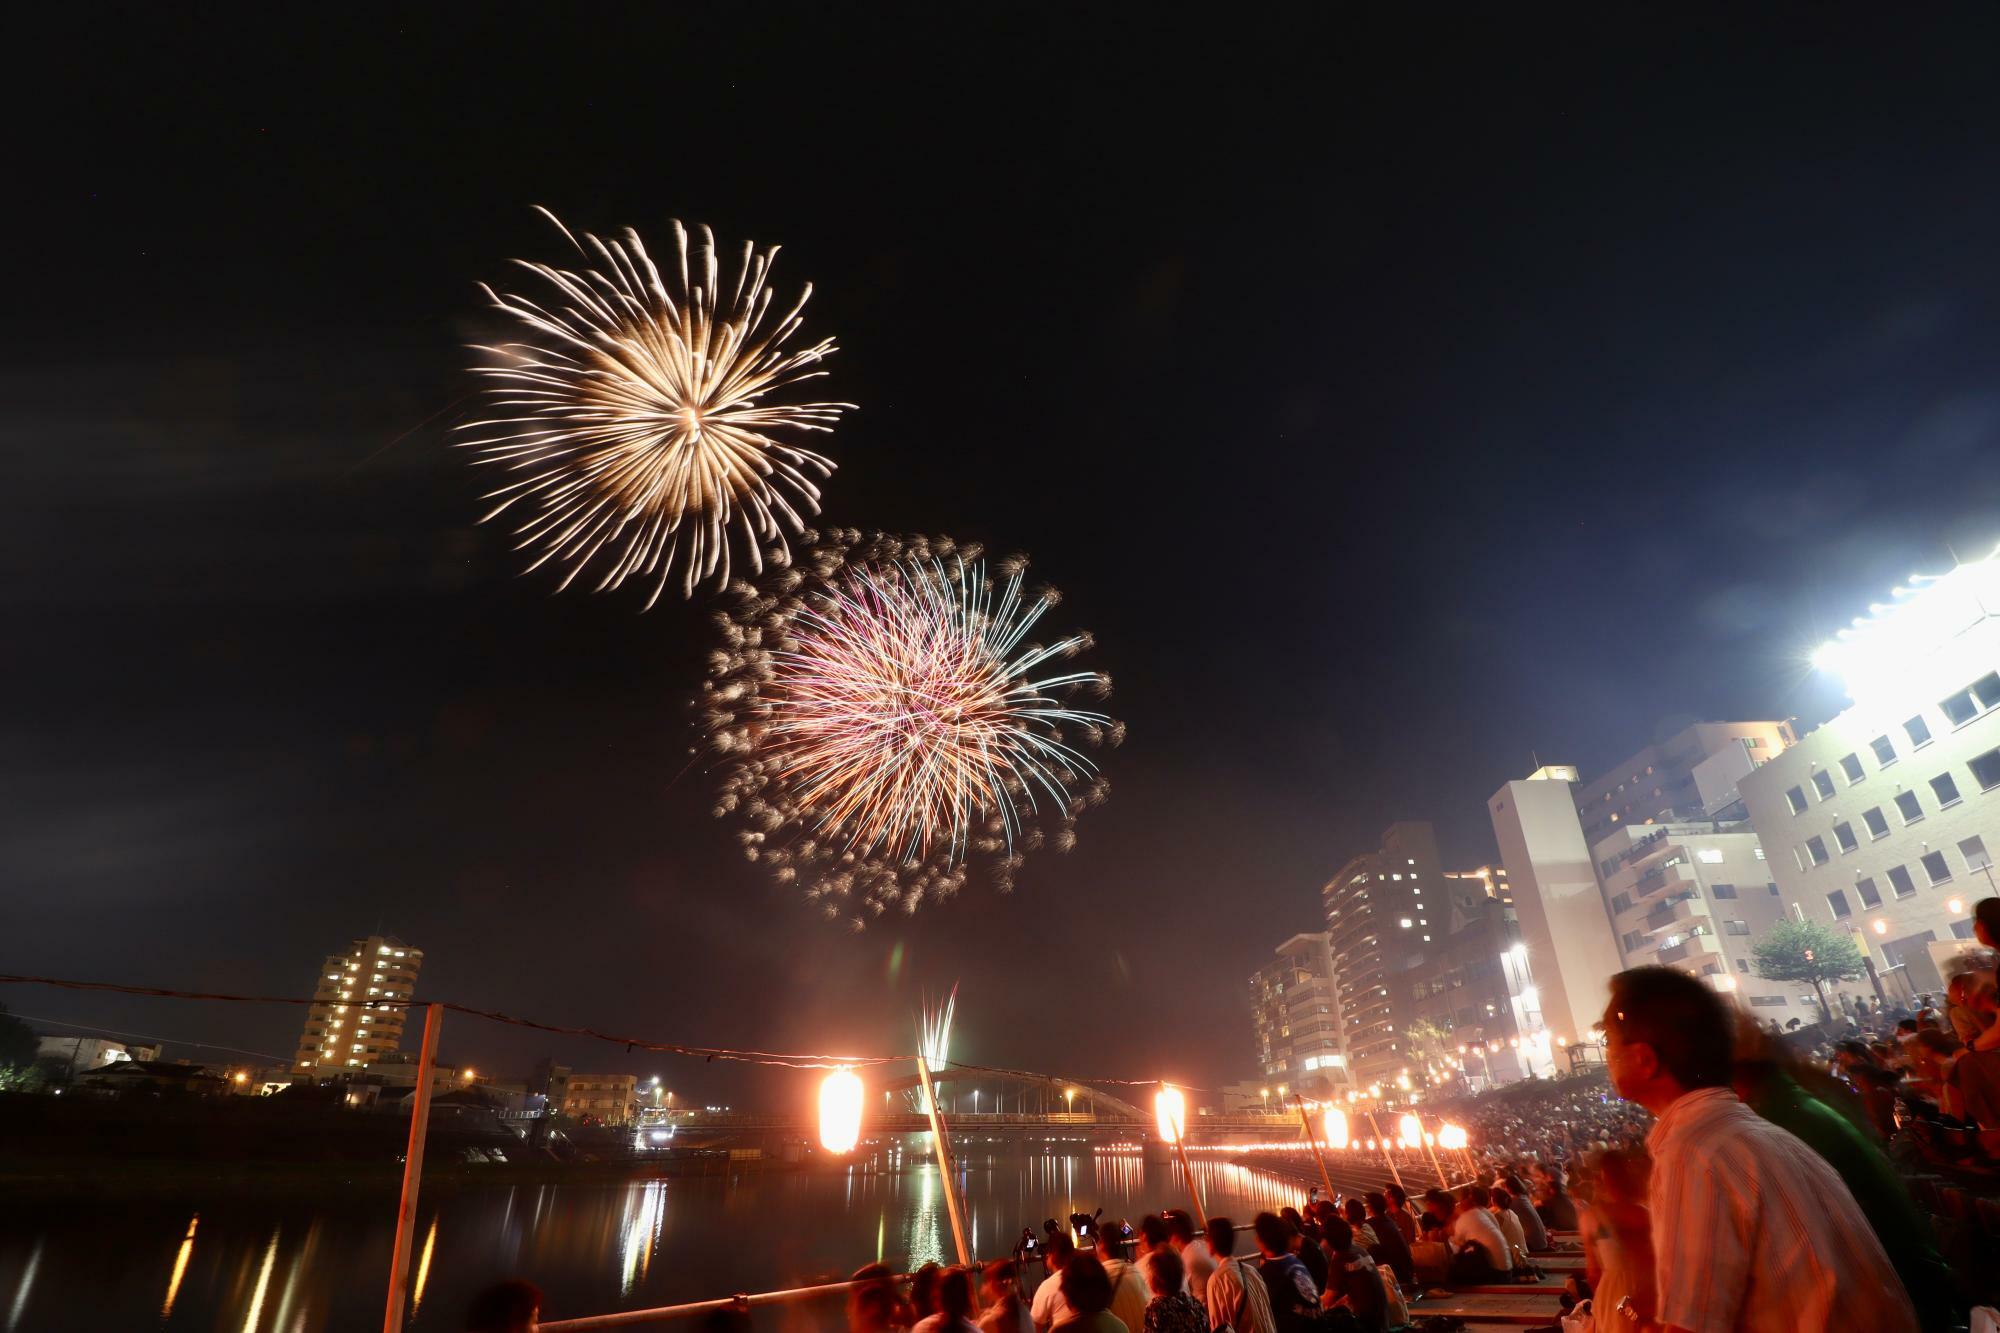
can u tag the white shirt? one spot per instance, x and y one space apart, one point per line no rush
1481 1228
1199 1264
1517 1236
1236 1297
1754 1233
994 1319
1049 1307
1128 1294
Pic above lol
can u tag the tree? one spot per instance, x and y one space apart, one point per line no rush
1808 951
1428 1043
18 1048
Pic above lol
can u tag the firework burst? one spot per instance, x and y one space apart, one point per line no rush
888 722
637 415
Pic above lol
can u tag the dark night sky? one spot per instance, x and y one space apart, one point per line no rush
1391 400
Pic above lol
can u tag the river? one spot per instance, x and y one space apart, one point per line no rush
265 1265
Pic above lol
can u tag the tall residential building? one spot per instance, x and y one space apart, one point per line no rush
1564 925
1297 1015
355 1019
1882 821
1697 895
1382 909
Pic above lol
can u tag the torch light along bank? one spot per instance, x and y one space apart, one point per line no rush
840 1111
1170 1111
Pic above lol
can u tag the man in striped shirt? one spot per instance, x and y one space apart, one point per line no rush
1752 1230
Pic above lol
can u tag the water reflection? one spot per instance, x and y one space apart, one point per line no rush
180 1267
317 1264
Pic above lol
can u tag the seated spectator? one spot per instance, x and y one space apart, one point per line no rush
1005 1311
1236 1292
1171 1309
1401 1213
1510 1227
1287 1282
1618 1237
1438 1210
1479 1247
1391 1249
1355 1212
1524 1208
1086 1290
1354 1285
1552 1202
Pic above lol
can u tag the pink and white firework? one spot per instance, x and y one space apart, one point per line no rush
889 720
637 415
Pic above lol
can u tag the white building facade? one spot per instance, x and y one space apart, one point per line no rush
1883 821
1697 896
1295 1003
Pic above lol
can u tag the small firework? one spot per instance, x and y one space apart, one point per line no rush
637 414
888 722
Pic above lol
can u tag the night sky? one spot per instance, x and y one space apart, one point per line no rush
1395 402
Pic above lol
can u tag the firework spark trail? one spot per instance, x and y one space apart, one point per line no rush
889 721
637 416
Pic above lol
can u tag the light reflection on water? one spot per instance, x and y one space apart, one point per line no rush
295 1266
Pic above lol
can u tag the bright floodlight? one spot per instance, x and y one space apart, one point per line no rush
1880 650
840 1111
1336 1128
1171 1110
1452 1137
1410 1131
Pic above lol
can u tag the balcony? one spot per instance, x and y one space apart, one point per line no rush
1697 947
1678 909
1659 877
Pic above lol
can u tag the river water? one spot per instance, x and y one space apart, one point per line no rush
296 1266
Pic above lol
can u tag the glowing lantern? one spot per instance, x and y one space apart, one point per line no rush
840 1111
1410 1131
1336 1128
1171 1110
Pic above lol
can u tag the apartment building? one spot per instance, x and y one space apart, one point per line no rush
1295 1003
1382 909
1883 820
360 1000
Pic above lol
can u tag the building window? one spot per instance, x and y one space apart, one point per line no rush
1946 789
1768 1001
1796 797
1919 731
1869 897
1773 889
1885 750
1973 849
1760 852
1743 965
1723 890
1843 834
1959 708
1621 902
1900 881
1816 849
1851 766
1909 806
1709 856
1822 782
1986 769
1736 927
1634 939
1877 822
1838 902
1935 867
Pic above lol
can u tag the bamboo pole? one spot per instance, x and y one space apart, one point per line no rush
941 1138
1396 1175
1443 1183
413 1174
1313 1139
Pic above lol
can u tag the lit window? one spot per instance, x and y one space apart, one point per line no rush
1760 853
1709 856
